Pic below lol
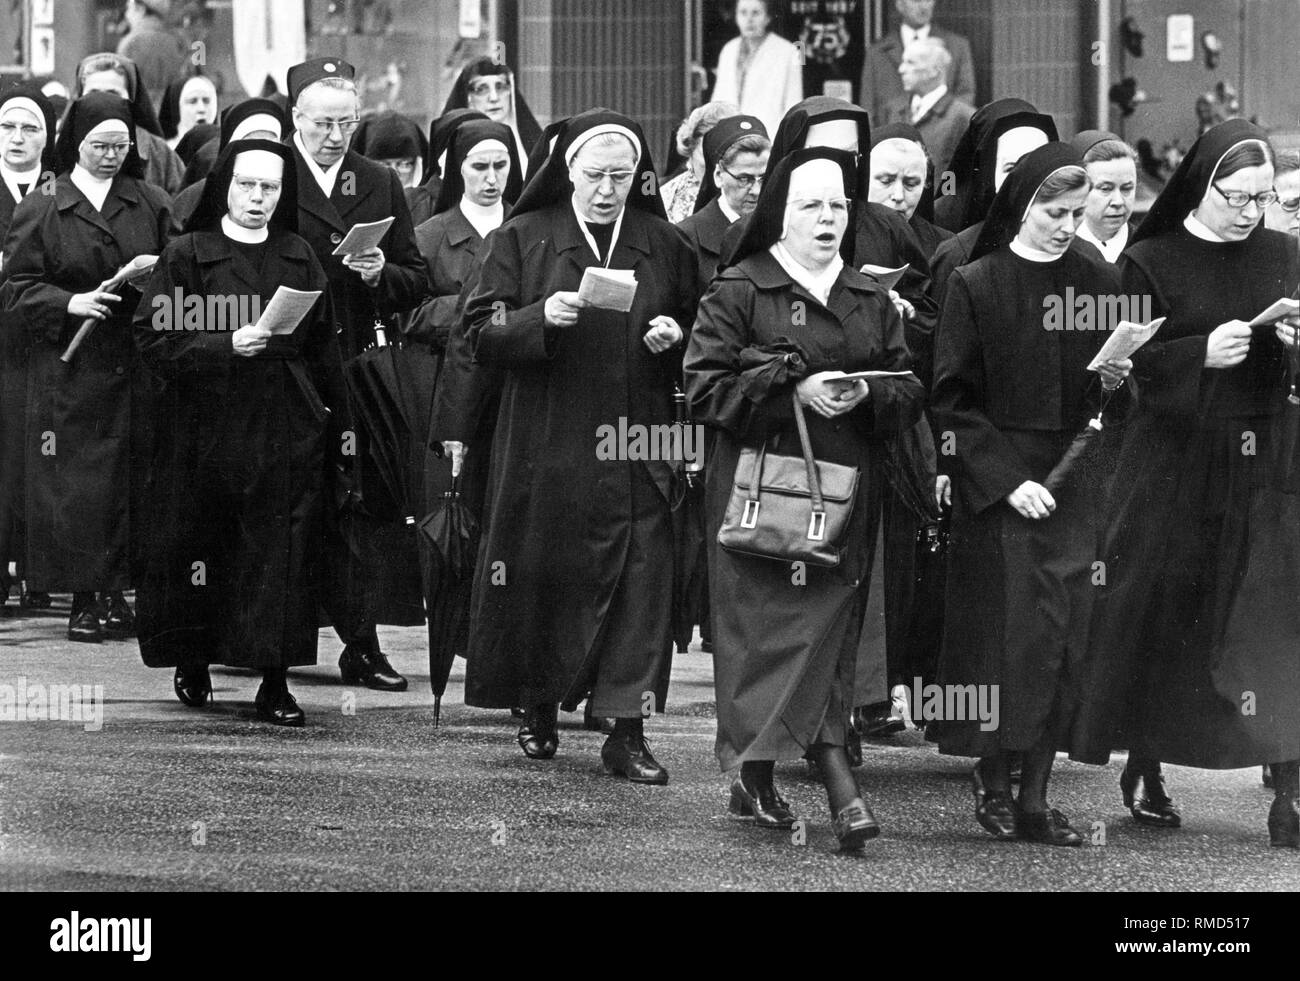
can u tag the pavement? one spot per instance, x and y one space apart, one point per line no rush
371 795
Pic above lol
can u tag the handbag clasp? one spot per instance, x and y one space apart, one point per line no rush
817 526
749 519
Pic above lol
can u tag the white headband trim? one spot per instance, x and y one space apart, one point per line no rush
595 131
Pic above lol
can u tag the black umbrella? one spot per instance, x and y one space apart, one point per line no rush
1081 448
451 533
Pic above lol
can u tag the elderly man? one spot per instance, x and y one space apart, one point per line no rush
880 80
927 103
373 566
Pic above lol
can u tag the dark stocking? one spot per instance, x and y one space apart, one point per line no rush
633 728
757 774
841 787
1286 780
1036 768
995 771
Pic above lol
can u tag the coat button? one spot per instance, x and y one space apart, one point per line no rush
336 238
120 370
108 239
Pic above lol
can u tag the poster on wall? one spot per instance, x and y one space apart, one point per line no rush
42 13
831 35
41 60
1180 37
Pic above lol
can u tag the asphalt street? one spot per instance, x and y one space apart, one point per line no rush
370 795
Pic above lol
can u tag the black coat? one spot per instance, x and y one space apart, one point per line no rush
83 489
785 651
705 230
238 481
563 524
14 344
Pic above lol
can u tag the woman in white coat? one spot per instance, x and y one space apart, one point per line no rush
759 71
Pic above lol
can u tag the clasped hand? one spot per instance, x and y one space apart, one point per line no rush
368 262
829 394
250 340
561 310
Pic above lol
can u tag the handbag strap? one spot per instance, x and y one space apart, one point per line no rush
814 479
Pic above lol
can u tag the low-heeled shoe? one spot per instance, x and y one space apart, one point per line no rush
277 706
1048 827
193 685
119 621
996 813
1283 824
854 825
630 757
537 744
84 627
1145 797
360 665
765 805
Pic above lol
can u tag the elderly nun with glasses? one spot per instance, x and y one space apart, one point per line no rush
574 583
84 477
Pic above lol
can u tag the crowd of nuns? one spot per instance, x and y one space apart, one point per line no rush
1120 547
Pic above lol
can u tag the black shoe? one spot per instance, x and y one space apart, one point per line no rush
538 737
1048 827
997 814
119 621
977 785
854 825
277 706
706 646
1145 797
1284 823
368 666
629 756
193 685
763 804
84 627
876 721
593 723
517 713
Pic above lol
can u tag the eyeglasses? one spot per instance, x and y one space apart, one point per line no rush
1289 206
746 181
618 177
247 185
345 126
8 130
104 149
481 89
1239 199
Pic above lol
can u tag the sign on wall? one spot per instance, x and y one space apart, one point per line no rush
1180 37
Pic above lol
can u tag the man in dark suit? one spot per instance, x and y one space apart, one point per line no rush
927 103
372 563
880 81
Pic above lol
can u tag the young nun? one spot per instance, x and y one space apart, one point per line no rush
1197 626
999 134
245 429
441 132
582 527
785 648
83 502
27 157
1015 391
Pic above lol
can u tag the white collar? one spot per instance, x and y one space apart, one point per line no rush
921 104
94 188
591 239
483 218
910 34
1032 254
325 178
12 178
1201 230
249 236
817 283
733 216
1110 250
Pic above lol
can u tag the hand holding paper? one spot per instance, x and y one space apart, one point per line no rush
886 277
92 305
608 289
363 236
286 310
1124 340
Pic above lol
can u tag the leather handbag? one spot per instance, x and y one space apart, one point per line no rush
789 508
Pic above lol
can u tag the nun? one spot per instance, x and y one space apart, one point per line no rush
785 641
1112 172
108 72
396 142
735 160
27 159
489 87
902 179
186 103
441 132
237 491
1197 626
575 573
252 119
83 491
1015 391
998 135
